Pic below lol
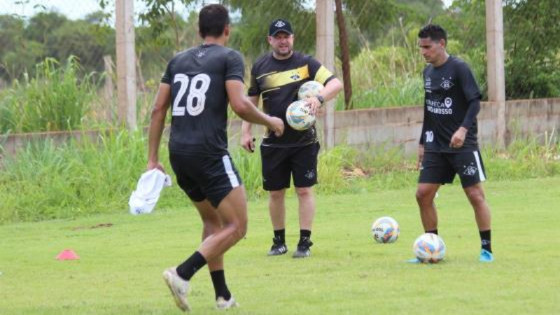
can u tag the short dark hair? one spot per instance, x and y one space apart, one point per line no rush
433 31
212 20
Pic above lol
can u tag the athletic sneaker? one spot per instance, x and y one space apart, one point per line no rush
222 304
303 248
278 247
179 288
486 256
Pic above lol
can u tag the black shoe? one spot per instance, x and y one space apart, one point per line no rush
303 248
278 247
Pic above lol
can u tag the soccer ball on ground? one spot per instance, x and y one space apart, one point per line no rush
385 230
309 89
429 248
299 115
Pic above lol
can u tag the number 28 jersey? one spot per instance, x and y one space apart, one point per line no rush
199 98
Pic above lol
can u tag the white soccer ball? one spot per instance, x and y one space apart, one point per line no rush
309 89
429 248
299 115
385 230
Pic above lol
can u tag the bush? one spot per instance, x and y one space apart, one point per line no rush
56 98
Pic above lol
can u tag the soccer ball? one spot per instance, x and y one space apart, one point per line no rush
429 247
309 89
299 115
385 230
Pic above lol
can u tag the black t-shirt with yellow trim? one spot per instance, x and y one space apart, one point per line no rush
277 82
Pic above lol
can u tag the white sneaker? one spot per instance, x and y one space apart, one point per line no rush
179 288
222 304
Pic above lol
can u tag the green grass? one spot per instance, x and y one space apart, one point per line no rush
119 271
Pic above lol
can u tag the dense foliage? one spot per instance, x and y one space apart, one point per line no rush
386 64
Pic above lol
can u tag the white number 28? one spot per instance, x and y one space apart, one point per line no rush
196 96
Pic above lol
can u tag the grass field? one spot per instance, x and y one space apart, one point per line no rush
119 271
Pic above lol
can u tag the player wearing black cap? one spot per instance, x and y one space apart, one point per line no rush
276 78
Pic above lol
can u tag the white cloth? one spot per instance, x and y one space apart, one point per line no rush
146 195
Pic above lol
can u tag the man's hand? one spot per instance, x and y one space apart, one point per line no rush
314 104
420 156
276 125
155 164
458 138
248 142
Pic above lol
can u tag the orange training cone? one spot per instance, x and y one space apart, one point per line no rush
67 254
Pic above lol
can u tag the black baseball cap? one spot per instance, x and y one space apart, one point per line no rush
280 25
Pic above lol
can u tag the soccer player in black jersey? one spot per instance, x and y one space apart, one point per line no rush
197 84
276 78
448 143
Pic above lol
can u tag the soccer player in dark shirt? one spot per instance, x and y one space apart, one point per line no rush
448 143
197 84
276 78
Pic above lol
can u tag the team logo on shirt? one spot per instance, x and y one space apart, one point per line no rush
200 53
295 77
446 84
448 102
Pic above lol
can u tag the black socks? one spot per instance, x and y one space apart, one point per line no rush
485 240
304 234
220 287
280 235
188 268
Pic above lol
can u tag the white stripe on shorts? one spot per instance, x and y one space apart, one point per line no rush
479 166
229 171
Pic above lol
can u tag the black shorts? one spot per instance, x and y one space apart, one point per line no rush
279 164
209 177
440 168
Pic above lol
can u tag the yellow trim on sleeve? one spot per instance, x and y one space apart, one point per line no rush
322 75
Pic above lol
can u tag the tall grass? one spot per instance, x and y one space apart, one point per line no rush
82 177
46 181
526 158
56 98
386 76
391 74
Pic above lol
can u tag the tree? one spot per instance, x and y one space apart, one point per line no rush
160 14
532 45
42 25
17 54
345 55
89 43
465 23
255 16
